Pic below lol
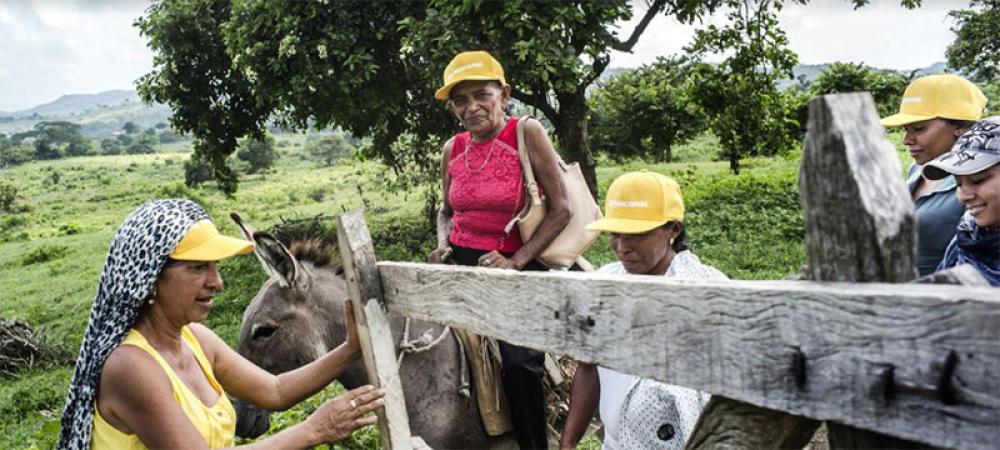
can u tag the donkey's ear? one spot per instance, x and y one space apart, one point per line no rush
277 260
244 227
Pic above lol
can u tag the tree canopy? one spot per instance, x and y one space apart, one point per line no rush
885 86
259 154
229 67
646 111
57 139
976 49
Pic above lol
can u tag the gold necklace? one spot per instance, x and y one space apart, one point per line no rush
489 153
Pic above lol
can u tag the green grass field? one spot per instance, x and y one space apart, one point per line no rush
749 226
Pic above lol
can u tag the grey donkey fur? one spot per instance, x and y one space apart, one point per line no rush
297 315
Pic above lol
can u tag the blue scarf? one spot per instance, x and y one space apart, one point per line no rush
979 247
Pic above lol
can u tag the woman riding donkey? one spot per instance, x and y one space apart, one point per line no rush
483 189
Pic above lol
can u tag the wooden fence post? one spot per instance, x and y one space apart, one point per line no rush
365 288
860 221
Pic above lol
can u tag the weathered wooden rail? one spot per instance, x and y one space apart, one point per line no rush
885 364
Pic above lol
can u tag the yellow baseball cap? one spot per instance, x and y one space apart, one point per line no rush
946 96
638 202
477 65
203 242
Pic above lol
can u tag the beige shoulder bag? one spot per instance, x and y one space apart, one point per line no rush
574 239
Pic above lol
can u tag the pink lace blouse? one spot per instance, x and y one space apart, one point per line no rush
487 190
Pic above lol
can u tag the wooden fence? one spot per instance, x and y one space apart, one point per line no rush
884 364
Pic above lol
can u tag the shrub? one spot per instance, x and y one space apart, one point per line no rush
750 225
10 221
70 228
197 171
8 197
179 190
408 238
44 253
317 194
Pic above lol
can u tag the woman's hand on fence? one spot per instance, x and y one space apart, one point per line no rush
336 419
353 341
439 255
495 259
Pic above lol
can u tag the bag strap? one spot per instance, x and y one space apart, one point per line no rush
530 185
522 152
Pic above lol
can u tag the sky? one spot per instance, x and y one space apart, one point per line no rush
49 48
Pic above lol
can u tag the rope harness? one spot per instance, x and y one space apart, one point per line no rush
426 342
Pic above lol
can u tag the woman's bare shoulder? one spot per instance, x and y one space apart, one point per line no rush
129 364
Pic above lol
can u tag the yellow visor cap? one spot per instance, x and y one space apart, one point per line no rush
638 202
477 66
946 96
203 242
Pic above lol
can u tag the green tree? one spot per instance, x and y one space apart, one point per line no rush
195 76
8 197
644 112
992 92
258 154
329 148
13 153
227 68
747 111
131 128
111 146
142 144
57 139
197 171
886 86
167 136
976 49
740 95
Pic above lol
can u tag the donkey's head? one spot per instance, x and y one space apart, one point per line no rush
297 315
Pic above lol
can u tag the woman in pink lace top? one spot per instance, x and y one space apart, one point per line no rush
483 189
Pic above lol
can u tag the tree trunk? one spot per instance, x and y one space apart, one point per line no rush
571 130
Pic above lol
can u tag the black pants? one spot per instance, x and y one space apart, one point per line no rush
523 369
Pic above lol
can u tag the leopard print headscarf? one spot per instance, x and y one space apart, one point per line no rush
138 252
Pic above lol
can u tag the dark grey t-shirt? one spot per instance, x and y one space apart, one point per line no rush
937 218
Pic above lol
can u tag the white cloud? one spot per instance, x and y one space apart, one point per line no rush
882 34
59 47
55 47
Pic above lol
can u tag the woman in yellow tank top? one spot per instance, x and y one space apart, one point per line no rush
150 376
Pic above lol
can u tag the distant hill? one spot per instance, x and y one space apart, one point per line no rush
75 104
100 114
809 72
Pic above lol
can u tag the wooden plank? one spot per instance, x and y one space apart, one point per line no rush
850 170
859 218
964 275
365 289
869 355
732 424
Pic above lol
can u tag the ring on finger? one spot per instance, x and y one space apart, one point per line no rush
354 404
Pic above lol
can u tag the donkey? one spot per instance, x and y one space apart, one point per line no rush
297 316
